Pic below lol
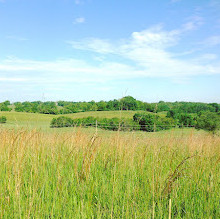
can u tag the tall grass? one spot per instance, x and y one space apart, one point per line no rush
81 175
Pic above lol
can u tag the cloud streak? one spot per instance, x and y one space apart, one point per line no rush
17 38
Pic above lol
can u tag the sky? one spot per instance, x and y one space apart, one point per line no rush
83 50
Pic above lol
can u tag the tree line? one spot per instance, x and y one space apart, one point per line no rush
209 121
125 103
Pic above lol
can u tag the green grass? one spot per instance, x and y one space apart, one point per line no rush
76 175
73 173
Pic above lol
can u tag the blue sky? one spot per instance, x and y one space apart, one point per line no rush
104 49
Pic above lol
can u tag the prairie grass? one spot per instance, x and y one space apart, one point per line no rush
79 174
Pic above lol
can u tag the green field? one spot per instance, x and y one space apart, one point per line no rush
89 173
17 120
36 120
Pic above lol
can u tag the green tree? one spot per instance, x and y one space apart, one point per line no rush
186 119
129 103
101 105
145 120
208 121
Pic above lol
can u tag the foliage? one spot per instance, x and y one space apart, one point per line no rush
186 120
125 103
209 121
104 123
128 103
182 119
4 106
3 119
61 121
144 122
153 122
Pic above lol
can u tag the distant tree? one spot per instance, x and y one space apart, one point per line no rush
129 103
208 121
150 107
7 103
172 114
101 105
92 106
19 107
163 106
215 106
145 120
186 120
150 122
4 107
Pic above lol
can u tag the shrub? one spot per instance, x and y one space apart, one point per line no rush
61 121
150 123
3 119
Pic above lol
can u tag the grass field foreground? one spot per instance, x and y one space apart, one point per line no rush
81 175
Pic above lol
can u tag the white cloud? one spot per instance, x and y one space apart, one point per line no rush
61 71
144 54
149 51
18 38
79 20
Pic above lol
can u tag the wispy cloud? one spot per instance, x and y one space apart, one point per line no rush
63 71
93 44
18 38
149 52
144 54
211 41
79 20
193 23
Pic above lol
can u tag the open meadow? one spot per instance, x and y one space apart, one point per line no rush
89 173
42 121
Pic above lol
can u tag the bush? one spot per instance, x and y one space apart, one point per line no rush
3 119
150 123
61 121
146 121
208 121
